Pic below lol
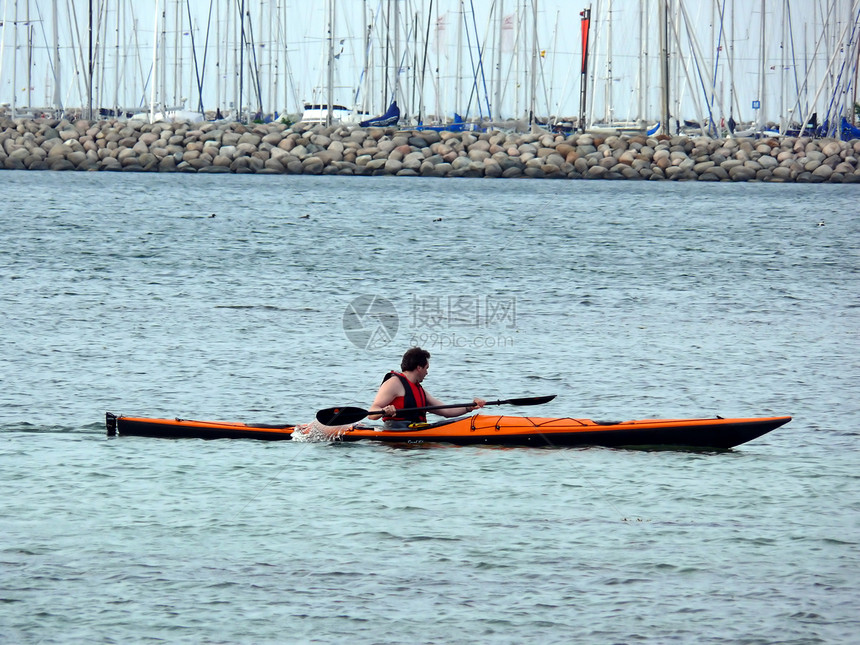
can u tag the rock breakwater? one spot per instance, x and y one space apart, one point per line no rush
274 148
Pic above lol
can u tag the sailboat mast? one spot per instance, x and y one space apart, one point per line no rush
241 67
416 92
458 89
642 85
163 58
783 123
397 90
89 114
608 116
535 54
585 24
664 64
29 56
55 25
220 71
853 110
14 59
762 62
117 76
497 55
421 107
329 117
177 30
101 55
154 67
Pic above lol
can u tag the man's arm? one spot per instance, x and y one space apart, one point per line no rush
388 391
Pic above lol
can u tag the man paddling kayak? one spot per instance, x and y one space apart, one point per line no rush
403 389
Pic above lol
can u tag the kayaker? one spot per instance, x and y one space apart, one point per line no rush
403 389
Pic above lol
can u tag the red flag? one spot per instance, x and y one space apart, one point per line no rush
586 20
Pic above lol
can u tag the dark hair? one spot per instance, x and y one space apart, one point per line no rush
414 357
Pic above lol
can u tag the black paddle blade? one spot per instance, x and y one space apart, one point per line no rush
341 416
531 400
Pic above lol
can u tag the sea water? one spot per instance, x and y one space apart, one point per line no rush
264 299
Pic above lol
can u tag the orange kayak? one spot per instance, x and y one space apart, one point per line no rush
480 429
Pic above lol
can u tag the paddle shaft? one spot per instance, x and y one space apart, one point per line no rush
537 400
428 408
347 415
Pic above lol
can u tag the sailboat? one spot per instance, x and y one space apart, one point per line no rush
391 117
391 70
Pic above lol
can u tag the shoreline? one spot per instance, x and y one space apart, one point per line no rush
274 148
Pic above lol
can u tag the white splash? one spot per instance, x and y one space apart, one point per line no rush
316 432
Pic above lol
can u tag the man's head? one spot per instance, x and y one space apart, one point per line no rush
413 358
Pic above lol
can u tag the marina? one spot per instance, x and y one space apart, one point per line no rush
717 69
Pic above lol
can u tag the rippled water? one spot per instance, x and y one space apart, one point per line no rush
123 293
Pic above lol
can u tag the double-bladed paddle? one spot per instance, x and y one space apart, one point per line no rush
345 415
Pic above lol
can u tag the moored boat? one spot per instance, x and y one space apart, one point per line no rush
318 113
716 432
390 118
